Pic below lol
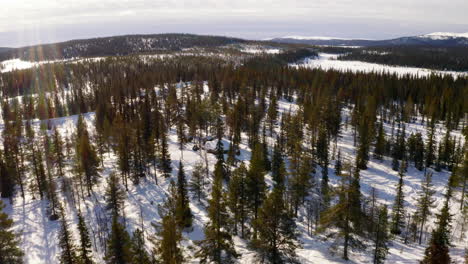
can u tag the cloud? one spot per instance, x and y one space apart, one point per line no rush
26 16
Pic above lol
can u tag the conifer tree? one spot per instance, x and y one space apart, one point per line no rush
114 195
85 247
340 215
255 182
398 212
236 198
217 246
118 244
197 182
87 159
277 235
10 251
437 252
138 250
165 158
169 235
380 143
381 236
425 202
431 144
183 212
68 247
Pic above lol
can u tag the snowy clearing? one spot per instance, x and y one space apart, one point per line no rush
327 61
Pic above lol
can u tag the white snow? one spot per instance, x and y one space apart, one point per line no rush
444 35
16 64
327 61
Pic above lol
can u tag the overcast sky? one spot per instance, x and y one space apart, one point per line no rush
25 22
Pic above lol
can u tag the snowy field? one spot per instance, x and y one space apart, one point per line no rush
327 61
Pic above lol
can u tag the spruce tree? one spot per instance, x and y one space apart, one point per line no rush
114 195
217 246
277 235
437 252
398 211
118 244
380 143
255 182
85 247
138 250
381 236
10 251
165 157
66 243
167 246
425 202
197 182
183 212
236 198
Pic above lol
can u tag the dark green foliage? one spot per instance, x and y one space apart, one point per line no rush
118 244
398 210
217 246
437 251
381 236
183 212
66 243
425 202
139 253
85 246
114 195
237 198
277 235
197 182
10 251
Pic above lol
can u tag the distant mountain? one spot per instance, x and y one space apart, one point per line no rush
2 49
438 39
118 45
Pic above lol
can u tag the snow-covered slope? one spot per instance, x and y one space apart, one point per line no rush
39 235
444 35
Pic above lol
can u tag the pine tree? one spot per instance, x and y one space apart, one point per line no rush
431 145
381 236
340 215
169 235
277 235
10 251
118 244
398 212
255 182
165 158
437 251
236 198
87 159
85 248
138 250
217 246
183 212
380 143
425 202
68 248
114 195
197 182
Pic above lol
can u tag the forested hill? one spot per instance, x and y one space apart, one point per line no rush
117 45
3 49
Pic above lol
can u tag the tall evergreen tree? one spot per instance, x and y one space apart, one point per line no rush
437 252
138 250
183 212
118 244
381 236
85 247
217 246
425 202
277 235
398 212
10 251
66 242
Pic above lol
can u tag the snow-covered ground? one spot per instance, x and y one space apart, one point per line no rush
327 61
39 235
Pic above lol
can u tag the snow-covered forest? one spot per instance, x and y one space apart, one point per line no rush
256 156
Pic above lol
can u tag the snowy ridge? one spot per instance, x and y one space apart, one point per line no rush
444 35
